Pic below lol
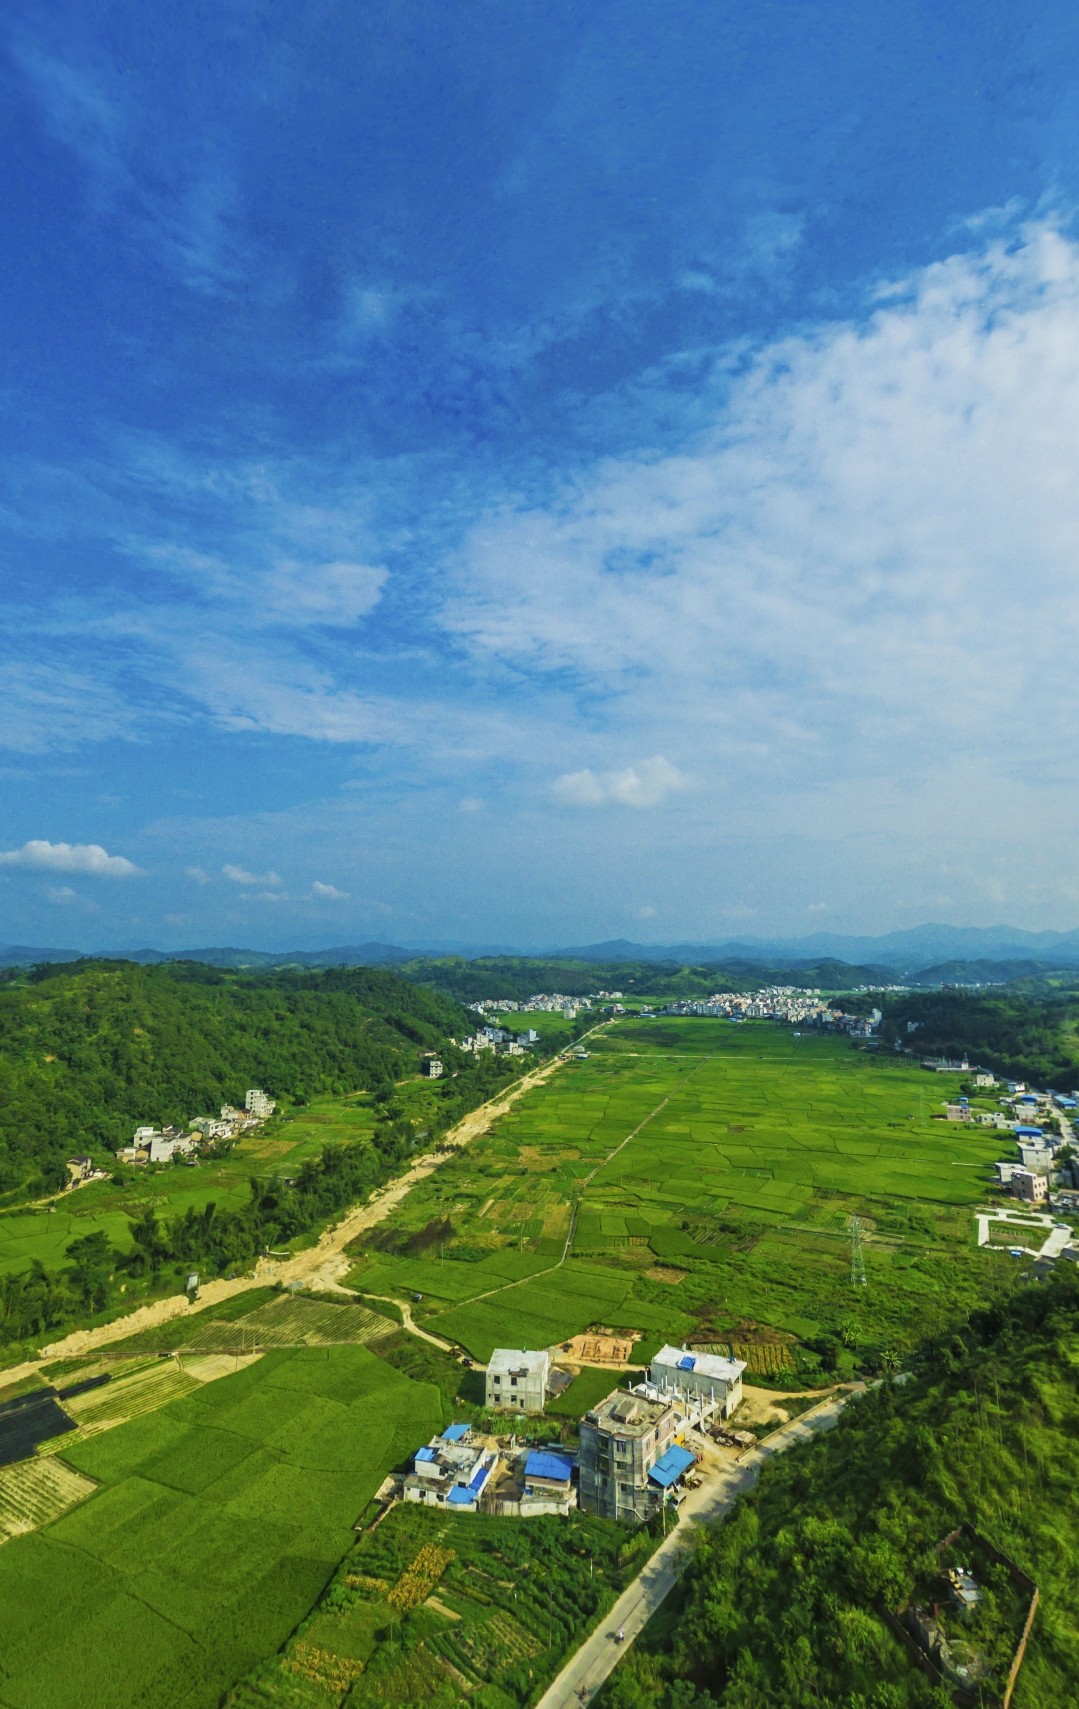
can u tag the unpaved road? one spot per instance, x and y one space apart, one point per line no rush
319 1266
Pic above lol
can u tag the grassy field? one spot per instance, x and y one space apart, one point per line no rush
220 1518
693 1176
429 1609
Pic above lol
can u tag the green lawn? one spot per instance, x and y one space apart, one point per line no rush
219 1521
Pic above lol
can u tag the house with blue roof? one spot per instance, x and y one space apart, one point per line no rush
452 1470
702 1378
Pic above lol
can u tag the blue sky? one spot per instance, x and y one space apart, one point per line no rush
537 473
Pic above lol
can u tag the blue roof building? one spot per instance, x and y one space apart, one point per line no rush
671 1466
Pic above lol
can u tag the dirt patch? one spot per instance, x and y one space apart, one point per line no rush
665 1273
598 1348
540 1160
440 1608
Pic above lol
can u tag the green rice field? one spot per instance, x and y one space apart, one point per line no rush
219 1520
171 1189
699 1177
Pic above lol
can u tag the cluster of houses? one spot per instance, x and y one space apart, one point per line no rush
633 1445
161 1145
500 1040
544 1003
784 1003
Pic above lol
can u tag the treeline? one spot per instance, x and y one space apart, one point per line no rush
89 1050
784 1603
518 977
213 1241
1025 1037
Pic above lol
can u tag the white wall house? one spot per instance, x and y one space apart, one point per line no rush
258 1104
517 1380
704 1376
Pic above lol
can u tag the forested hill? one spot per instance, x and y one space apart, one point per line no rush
520 976
784 1602
90 1050
1031 1037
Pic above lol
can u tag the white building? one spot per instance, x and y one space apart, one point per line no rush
164 1146
517 1380
1026 1185
432 1067
257 1104
702 1376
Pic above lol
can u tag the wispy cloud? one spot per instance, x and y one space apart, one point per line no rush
240 875
88 858
644 785
328 892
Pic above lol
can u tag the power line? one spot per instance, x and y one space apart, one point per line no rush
857 1256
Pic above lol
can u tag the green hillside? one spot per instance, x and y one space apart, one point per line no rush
783 1605
89 1051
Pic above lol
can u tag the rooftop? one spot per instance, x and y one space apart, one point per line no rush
670 1466
674 1361
517 1361
629 1415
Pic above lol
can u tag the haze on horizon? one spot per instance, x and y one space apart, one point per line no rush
531 475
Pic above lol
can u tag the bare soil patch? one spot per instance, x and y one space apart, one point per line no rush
600 1348
666 1273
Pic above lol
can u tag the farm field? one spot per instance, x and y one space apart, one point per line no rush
172 1189
33 1492
220 1518
428 1609
697 1178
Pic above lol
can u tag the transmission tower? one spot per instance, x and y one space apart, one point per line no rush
857 1256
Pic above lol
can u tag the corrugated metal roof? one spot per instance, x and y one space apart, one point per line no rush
426 1454
461 1497
546 1465
671 1465
455 1432
479 1476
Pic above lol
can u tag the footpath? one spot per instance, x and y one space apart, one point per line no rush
598 1656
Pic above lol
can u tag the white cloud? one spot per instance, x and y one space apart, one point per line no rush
328 892
818 907
62 895
240 875
469 804
643 785
198 875
856 561
88 858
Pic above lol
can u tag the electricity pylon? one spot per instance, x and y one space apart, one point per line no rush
857 1256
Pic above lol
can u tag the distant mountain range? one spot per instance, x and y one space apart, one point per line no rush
933 951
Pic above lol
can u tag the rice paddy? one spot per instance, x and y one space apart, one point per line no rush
695 1177
220 1517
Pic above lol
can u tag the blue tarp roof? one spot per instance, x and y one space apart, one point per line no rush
1030 1132
671 1465
687 1363
425 1454
541 1465
454 1432
461 1497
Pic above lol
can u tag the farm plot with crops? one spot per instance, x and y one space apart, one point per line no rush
737 1154
219 1520
426 1608
33 1492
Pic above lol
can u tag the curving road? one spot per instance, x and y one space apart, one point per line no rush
599 1654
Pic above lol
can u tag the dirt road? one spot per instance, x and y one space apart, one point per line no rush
319 1266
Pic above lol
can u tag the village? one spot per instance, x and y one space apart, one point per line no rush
161 1145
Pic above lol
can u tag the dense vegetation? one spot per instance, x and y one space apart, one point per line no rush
88 1051
783 1604
519 977
1032 1037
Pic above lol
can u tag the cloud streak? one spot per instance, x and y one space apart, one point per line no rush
645 785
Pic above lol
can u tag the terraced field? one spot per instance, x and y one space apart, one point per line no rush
698 1177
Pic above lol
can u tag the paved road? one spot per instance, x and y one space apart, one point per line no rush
599 1654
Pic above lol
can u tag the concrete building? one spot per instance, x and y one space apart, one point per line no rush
432 1067
959 1112
452 1471
706 1377
1025 1184
623 1441
257 1104
517 1380
1035 1154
